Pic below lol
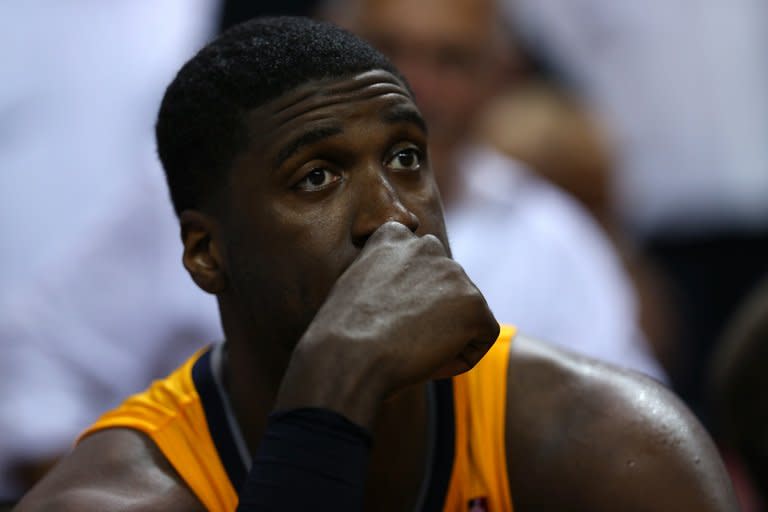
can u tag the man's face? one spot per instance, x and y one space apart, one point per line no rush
447 50
329 162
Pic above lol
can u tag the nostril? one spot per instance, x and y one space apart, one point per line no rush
404 216
359 241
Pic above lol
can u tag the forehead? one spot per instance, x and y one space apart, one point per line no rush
368 95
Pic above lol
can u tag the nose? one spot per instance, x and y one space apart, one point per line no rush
378 202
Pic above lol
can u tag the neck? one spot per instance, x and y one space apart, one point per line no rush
253 370
254 366
400 430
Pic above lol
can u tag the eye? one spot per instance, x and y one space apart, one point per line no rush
317 179
408 159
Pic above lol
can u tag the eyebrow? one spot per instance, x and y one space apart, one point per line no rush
310 136
404 114
313 135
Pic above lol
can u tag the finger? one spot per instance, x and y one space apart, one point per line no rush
432 246
465 360
390 231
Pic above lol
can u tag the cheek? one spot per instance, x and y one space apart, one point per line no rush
298 256
428 207
318 234
284 280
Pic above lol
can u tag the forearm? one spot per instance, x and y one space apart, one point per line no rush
309 459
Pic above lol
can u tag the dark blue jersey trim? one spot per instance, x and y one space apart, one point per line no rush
445 434
216 417
221 433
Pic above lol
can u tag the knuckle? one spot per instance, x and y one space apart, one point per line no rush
389 232
430 239
395 228
450 273
390 229
430 244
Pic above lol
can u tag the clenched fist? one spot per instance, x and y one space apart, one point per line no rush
402 312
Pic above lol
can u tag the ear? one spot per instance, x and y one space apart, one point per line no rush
203 255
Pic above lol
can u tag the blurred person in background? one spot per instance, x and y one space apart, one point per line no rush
540 122
683 89
456 56
739 387
80 83
84 205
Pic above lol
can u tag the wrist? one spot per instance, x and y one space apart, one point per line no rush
308 459
322 374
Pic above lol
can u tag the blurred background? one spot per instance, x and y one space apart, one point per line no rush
604 166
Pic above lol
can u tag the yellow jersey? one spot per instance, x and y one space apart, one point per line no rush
188 417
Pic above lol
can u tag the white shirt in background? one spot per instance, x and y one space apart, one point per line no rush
683 87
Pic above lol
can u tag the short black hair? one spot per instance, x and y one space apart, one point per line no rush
201 124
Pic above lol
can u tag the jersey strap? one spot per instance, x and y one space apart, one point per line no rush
479 481
171 413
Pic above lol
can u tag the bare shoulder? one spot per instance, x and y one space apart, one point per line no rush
115 469
583 435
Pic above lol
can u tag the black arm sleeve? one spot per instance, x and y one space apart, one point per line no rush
309 459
